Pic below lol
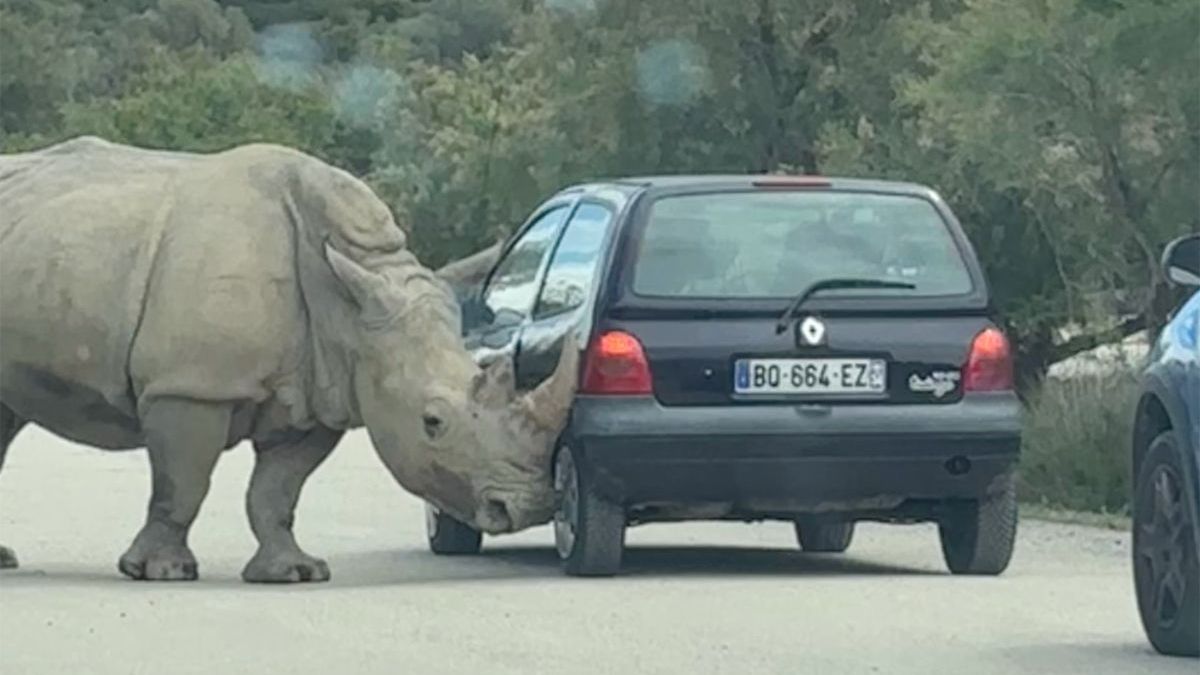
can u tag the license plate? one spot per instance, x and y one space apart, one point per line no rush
810 376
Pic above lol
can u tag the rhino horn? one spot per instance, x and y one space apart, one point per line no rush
549 404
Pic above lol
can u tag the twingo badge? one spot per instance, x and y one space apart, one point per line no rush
939 383
811 332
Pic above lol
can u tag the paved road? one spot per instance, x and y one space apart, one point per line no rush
698 598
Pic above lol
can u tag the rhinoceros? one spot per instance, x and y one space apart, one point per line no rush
187 302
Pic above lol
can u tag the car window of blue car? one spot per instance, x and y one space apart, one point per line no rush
1186 324
573 268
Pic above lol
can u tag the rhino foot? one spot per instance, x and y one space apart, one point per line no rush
173 563
284 568
8 559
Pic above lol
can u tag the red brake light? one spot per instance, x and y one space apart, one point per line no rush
616 366
990 365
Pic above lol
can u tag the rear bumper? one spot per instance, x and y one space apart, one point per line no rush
764 460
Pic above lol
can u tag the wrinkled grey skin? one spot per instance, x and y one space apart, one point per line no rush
184 303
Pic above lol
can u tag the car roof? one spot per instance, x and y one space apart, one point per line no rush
623 190
667 183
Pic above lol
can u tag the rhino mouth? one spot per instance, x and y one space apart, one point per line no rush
493 516
500 512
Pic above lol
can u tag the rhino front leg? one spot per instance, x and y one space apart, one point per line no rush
10 424
184 438
280 470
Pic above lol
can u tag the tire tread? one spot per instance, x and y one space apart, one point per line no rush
454 538
1184 640
979 537
820 537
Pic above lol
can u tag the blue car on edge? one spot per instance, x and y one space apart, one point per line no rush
1166 470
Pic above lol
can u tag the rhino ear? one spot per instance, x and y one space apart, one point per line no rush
369 289
494 385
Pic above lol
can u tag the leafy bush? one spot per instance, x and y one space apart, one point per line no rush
1076 445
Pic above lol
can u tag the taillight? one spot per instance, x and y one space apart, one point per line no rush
990 364
616 366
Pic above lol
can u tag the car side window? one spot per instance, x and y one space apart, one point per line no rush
513 286
573 268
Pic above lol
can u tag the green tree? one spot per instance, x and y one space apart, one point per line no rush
194 103
1087 116
55 53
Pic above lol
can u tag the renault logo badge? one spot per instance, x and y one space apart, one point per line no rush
811 332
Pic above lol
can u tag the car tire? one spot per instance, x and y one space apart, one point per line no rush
589 530
978 535
1165 566
824 537
448 536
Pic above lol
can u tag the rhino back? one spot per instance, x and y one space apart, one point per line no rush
130 274
127 274
77 241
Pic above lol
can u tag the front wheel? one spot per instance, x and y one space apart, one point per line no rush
1165 567
589 531
978 535
448 536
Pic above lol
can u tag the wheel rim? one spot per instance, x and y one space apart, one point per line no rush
1161 546
566 485
431 520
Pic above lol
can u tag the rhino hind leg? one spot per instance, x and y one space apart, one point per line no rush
184 438
280 470
10 424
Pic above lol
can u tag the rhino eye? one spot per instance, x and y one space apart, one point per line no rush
434 426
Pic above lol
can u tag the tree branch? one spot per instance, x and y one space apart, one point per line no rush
1082 343
1152 191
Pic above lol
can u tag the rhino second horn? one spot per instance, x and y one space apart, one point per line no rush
549 404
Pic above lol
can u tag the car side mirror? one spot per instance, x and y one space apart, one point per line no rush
1181 261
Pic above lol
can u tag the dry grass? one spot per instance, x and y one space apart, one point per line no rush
1076 446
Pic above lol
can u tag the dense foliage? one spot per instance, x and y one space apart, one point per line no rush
1065 132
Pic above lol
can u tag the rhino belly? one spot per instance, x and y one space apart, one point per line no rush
69 409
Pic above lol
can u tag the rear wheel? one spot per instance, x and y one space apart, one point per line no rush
978 535
589 531
824 537
1165 568
448 536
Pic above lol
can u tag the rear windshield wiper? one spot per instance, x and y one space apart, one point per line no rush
789 314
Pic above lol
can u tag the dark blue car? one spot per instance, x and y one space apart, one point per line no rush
797 348
1166 469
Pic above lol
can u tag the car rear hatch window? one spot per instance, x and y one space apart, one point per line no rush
773 244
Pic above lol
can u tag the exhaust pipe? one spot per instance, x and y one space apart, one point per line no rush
958 465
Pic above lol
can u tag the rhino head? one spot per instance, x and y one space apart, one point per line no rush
451 432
